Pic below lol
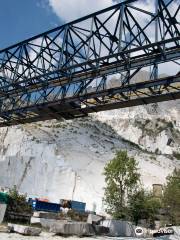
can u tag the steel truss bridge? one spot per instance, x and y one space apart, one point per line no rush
69 72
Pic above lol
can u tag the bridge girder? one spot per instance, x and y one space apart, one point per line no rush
61 65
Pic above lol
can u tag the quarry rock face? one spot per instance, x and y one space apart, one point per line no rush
65 160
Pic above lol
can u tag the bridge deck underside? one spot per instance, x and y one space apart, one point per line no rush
142 93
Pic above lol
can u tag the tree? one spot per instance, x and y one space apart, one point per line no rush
171 197
137 206
143 205
122 178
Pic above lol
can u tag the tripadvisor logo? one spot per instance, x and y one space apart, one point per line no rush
139 231
161 232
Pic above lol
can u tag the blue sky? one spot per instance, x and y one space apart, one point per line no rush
21 19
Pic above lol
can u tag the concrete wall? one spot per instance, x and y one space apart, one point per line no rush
2 212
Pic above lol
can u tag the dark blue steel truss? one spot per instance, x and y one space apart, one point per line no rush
66 72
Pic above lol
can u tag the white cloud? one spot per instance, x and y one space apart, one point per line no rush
69 10
147 5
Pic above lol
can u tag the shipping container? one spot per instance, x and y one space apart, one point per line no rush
78 206
3 197
44 206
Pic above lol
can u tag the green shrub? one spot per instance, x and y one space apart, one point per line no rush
176 155
17 202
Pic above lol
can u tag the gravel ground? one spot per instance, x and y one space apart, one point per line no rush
48 236
43 236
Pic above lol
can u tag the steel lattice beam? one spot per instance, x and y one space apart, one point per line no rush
61 65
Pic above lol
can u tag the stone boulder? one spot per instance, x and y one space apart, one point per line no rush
47 215
45 223
101 230
4 229
73 228
118 228
94 219
24 230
